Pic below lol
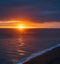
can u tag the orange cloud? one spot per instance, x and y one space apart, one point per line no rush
29 24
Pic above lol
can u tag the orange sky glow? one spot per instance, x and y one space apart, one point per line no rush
28 24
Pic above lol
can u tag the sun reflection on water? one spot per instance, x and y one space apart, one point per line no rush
21 44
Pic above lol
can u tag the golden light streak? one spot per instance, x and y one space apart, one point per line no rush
28 24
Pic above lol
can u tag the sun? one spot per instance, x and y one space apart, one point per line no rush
21 26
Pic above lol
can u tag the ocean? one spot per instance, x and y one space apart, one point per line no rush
16 45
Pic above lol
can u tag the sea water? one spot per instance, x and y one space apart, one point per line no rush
16 45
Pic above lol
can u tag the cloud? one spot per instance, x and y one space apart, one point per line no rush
33 10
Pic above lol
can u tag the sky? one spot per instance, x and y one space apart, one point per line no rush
38 13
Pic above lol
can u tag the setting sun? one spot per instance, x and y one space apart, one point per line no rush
21 26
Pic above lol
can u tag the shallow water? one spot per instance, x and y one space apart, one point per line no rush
14 49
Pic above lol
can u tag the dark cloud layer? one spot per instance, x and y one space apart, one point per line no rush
34 10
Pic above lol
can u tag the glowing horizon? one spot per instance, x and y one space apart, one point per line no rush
28 24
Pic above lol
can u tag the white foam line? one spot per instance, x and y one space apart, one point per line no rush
39 53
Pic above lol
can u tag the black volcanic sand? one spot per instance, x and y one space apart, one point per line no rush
50 57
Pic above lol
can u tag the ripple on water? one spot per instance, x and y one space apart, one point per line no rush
21 52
